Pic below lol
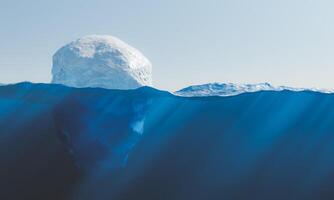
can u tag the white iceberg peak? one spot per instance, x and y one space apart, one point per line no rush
101 61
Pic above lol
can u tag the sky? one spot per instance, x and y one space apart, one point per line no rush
283 42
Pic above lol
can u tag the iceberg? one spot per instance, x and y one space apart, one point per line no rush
101 61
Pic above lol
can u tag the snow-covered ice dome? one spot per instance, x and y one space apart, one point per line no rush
101 61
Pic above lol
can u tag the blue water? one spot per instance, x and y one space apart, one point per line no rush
65 143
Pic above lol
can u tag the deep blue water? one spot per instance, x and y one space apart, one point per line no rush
58 142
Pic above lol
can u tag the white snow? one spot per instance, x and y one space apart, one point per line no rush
101 61
231 89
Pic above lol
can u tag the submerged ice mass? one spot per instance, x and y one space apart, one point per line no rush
101 61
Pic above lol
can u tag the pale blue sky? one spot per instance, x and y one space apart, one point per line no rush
285 42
